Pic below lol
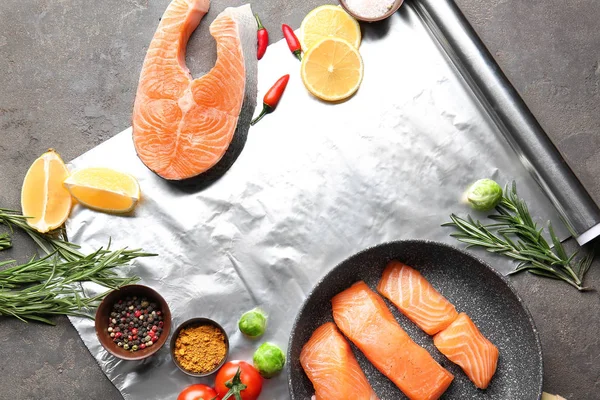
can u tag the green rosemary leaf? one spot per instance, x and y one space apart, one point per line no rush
40 319
522 267
475 242
465 226
543 273
508 240
518 231
572 256
536 254
5 241
583 265
459 235
558 247
517 255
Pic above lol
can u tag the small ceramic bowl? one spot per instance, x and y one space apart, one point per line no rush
105 309
359 17
195 322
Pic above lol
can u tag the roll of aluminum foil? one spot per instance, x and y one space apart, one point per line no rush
504 105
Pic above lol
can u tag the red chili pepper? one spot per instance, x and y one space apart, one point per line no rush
272 98
292 41
262 37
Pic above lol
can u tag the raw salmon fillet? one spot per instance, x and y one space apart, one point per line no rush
464 345
182 126
365 319
416 298
331 367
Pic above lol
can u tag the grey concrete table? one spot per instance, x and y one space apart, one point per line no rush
68 73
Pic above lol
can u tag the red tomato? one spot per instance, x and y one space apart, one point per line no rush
226 381
197 392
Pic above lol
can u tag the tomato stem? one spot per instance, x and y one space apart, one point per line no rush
235 386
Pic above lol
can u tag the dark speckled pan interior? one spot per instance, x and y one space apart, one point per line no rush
470 284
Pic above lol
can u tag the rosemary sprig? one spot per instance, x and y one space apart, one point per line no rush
47 242
48 285
515 235
39 301
96 267
51 285
5 242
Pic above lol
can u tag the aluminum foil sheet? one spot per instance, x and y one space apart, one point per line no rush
314 184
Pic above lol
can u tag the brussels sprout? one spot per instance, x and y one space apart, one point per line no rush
253 323
484 195
268 360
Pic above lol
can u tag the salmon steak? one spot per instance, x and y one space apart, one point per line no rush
329 363
363 317
465 345
414 296
182 126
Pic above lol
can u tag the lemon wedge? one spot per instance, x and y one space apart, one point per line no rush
104 189
43 198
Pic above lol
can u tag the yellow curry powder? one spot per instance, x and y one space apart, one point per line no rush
200 348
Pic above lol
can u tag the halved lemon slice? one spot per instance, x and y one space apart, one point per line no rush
329 21
332 69
104 189
43 198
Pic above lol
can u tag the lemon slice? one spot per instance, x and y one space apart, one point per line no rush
332 69
326 22
104 189
43 198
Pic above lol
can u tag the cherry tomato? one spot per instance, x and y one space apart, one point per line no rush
238 380
197 392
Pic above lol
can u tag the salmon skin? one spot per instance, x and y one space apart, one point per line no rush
466 346
362 315
330 365
182 126
416 298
